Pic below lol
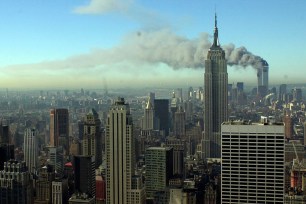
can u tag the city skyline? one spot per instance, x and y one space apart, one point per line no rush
120 43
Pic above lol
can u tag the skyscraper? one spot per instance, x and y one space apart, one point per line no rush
148 121
30 149
263 78
297 94
84 175
263 75
179 129
179 152
59 128
56 159
159 169
161 108
215 100
91 143
122 185
253 159
282 92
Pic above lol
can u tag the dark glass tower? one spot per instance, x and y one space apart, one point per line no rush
161 107
84 175
215 101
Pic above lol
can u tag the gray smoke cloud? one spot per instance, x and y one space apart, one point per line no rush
149 47
242 57
180 52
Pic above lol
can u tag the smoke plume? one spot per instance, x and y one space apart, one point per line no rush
242 57
149 47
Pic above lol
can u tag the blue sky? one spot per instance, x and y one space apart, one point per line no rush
132 43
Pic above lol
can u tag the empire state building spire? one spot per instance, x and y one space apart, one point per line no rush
216 40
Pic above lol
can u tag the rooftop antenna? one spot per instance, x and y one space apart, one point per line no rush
215 16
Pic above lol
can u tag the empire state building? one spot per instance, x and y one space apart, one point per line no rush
215 101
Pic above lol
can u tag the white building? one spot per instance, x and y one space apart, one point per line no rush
253 169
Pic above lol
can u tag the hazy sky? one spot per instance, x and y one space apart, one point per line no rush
132 43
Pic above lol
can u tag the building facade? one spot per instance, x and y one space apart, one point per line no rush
148 122
122 187
253 163
56 159
59 128
161 108
44 185
215 100
159 169
179 126
30 149
15 183
60 191
263 78
92 139
84 175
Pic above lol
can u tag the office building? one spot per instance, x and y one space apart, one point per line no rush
59 128
161 108
179 126
179 94
263 78
179 152
44 185
84 175
288 125
174 104
60 191
240 86
30 149
215 100
282 92
159 169
7 153
253 163
148 121
56 159
92 139
6 149
15 183
190 93
4 134
297 94
122 185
